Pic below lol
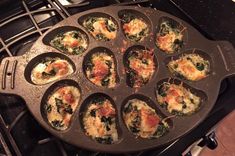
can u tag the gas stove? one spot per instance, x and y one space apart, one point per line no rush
22 22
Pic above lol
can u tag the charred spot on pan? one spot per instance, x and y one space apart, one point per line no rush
100 69
177 99
71 42
169 37
135 28
99 120
192 67
142 120
60 106
101 28
139 67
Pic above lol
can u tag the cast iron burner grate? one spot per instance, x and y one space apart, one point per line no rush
21 24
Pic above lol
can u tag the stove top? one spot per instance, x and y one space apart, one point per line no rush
20 134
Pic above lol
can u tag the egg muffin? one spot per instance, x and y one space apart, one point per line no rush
71 42
192 67
100 69
99 121
142 120
177 99
101 28
140 67
50 69
169 38
61 105
135 28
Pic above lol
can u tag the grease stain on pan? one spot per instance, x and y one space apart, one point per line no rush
59 104
48 67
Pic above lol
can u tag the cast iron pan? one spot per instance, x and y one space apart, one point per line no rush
15 78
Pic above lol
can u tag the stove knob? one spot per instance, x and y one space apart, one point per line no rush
211 141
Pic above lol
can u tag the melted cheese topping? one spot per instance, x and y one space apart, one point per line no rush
100 26
178 99
134 27
141 119
166 42
191 66
168 39
61 105
100 123
51 70
143 65
103 70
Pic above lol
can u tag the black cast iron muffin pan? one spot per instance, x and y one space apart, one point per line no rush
15 78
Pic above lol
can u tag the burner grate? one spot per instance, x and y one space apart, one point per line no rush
29 23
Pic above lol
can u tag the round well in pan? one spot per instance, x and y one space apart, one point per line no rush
127 18
147 114
100 67
98 117
193 98
108 24
162 33
145 60
59 104
51 76
196 52
49 40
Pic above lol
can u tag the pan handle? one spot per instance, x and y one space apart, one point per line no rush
227 53
9 74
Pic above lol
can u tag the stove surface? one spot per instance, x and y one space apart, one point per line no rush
20 134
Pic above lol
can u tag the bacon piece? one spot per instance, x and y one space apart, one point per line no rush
61 91
68 97
173 92
165 42
126 28
70 41
106 110
61 67
100 70
152 121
